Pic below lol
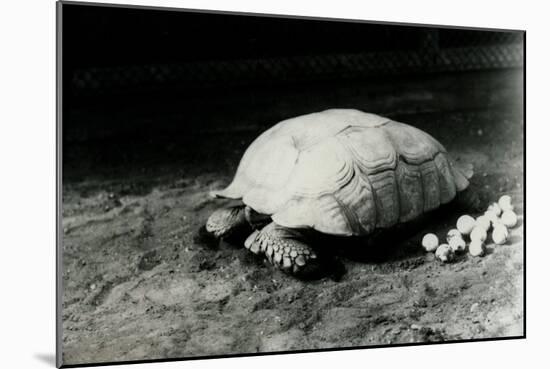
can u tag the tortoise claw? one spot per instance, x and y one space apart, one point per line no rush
251 243
283 250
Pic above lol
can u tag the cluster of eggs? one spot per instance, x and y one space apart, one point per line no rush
499 216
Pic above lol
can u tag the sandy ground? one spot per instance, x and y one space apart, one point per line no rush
139 284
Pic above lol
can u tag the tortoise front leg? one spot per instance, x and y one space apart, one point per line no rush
285 249
227 221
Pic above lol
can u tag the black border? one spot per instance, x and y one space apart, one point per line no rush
59 168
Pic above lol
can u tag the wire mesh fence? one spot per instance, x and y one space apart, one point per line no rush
427 51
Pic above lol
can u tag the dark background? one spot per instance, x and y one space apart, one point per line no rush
109 50
138 83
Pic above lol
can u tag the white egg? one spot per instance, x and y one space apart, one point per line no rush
483 222
430 242
453 233
476 248
509 218
457 244
495 208
444 253
478 233
500 234
465 224
493 217
505 203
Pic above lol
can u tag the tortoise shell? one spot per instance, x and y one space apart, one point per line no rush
344 172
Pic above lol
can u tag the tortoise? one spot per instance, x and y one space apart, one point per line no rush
338 172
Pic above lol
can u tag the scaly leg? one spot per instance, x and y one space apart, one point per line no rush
285 249
227 221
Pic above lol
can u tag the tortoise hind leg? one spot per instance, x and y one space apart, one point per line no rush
285 249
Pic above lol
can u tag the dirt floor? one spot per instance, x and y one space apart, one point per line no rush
139 284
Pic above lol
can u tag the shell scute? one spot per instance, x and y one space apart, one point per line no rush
321 169
447 185
357 198
324 214
386 198
411 191
413 145
430 185
370 148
